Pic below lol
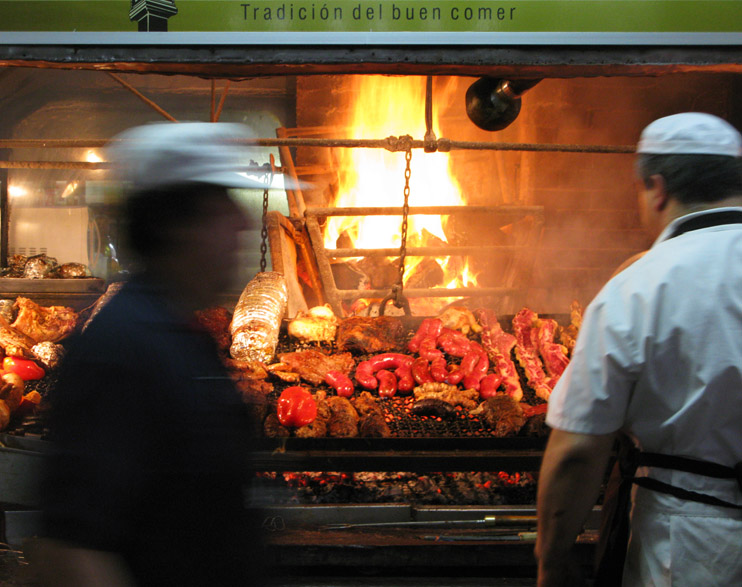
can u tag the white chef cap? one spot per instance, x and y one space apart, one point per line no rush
163 154
690 133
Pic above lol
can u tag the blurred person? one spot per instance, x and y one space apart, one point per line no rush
149 436
658 361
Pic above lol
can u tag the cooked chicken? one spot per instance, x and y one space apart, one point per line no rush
42 323
15 342
447 393
313 365
501 413
318 324
370 335
459 318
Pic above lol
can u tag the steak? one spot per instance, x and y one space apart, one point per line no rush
370 335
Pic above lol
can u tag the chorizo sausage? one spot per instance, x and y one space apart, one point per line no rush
340 382
387 383
488 385
365 375
421 372
405 381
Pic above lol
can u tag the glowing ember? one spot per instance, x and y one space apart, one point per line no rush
395 106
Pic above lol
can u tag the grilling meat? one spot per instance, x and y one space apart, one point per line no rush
461 319
216 321
433 407
343 418
501 413
318 324
568 334
526 351
318 427
450 394
554 355
370 335
312 365
44 323
15 342
499 345
272 428
371 421
366 404
373 425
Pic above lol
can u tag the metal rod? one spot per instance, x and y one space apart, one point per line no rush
221 102
212 108
54 165
93 165
433 210
4 218
447 251
141 96
390 143
421 292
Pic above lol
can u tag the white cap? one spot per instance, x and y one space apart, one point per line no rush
168 153
690 133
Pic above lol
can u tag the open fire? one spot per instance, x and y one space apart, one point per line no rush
376 178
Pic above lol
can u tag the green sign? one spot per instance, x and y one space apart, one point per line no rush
372 17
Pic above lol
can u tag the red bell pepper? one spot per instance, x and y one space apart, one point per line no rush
296 407
25 368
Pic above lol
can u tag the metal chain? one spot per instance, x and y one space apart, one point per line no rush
405 214
397 296
264 230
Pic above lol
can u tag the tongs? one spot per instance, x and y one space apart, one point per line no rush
503 521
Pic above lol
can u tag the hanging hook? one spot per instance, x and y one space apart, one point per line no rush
430 144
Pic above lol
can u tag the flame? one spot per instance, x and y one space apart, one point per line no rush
394 106
71 187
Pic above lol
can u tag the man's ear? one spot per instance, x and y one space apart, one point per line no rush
657 192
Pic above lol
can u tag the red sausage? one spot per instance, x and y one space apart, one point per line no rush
387 383
405 381
479 370
489 384
340 382
438 369
454 342
389 361
455 375
435 328
428 350
365 375
421 372
422 332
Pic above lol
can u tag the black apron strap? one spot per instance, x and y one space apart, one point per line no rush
707 221
610 552
661 487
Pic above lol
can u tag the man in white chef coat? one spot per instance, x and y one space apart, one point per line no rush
659 358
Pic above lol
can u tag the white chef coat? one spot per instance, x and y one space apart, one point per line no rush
659 355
